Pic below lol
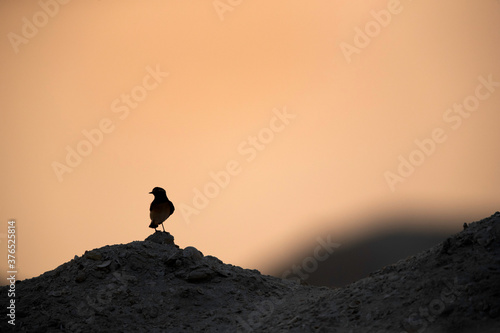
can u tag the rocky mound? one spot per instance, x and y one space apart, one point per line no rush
153 286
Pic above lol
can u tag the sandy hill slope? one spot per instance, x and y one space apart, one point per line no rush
153 286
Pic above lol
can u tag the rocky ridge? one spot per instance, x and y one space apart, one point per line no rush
154 286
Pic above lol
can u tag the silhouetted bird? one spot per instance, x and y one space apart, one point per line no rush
161 208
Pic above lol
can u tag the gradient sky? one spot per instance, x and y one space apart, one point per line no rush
231 69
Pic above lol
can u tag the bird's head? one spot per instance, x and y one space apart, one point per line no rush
158 191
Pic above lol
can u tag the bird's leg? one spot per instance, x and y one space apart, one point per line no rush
163 227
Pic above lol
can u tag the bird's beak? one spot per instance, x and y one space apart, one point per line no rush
150 192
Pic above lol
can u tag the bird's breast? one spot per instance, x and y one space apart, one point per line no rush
160 212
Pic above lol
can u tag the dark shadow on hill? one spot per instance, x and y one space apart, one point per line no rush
357 258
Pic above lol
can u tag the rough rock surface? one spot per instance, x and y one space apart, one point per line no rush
153 286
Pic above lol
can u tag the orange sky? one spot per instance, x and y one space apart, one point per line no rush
86 67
